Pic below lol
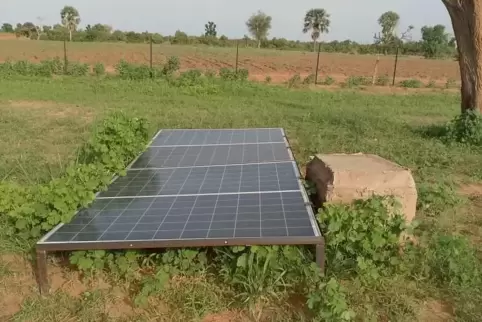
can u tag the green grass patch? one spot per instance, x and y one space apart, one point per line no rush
367 278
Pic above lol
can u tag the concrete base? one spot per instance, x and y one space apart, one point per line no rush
346 177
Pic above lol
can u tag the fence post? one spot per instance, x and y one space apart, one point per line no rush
150 55
317 64
65 57
237 55
395 68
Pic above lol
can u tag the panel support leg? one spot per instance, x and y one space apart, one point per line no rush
42 277
320 256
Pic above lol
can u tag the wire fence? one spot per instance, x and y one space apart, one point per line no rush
239 57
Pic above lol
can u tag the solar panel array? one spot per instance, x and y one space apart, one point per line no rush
199 185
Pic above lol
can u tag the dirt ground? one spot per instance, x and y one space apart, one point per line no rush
280 65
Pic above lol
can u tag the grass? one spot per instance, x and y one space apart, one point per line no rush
44 121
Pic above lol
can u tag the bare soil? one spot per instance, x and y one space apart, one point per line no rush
280 65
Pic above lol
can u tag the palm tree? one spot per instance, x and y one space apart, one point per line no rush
70 19
318 21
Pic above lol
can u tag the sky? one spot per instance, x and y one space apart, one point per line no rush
350 19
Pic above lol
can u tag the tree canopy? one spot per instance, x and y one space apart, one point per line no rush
70 19
259 25
318 22
389 22
435 41
210 29
6 27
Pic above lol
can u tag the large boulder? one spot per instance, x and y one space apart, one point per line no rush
346 177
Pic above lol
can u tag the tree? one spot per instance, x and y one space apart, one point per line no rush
318 21
466 19
70 19
6 27
259 25
27 29
210 28
435 41
389 22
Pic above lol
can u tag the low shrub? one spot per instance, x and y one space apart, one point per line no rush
431 84
465 128
172 65
33 210
354 81
229 74
383 80
363 237
310 79
77 69
294 81
210 73
411 83
451 83
268 79
99 69
127 70
328 80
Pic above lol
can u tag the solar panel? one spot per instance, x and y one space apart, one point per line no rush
205 180
198 188
224 136
256 215
189 156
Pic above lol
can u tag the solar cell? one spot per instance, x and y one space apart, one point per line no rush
223 136
204 180
254 215
188 156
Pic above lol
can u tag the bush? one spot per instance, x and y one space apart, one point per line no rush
33 210
190 77
77 69
431 84
383 80
210 73
310 79
465 128
451 83
411 83
229 74
328 80
294 81
268 79
126 70
363 237
99 69
172 65
354 81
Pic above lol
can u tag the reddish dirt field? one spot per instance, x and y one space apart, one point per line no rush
280 65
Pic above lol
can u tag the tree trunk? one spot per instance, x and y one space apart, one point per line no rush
314 45
259 43
466 16
70 34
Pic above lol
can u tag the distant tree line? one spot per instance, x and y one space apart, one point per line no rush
435 42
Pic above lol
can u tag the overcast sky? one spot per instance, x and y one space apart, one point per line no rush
351 19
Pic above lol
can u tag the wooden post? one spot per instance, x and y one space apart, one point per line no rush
65 57
317 64
237 55
375 71
150 55
42 277
395 68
